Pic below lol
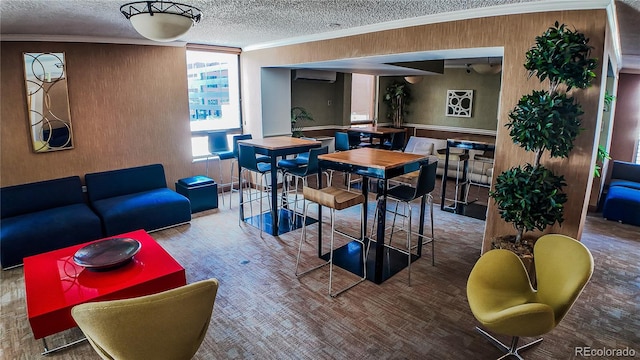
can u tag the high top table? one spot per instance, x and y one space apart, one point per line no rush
377 131
54 283
381 165
274 147
465 145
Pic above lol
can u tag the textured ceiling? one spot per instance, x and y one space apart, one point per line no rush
242 23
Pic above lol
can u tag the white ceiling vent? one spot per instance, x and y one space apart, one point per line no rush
316 75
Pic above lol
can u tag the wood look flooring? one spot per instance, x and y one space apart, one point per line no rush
263 311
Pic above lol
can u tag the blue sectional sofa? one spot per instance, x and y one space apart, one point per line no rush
135 198
44 216
622 202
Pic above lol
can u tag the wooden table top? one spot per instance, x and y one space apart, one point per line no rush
279 142
373 158
377 130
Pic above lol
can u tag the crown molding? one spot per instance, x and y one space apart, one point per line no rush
453 129
499 10
86 39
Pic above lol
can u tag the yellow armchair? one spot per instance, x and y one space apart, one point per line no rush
503 300
167 325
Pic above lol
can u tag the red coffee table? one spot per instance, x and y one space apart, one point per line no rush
54 283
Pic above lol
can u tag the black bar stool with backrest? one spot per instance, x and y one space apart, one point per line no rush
397 142
406 194
260 158
248 162
343 144
219 147
301 173
334 199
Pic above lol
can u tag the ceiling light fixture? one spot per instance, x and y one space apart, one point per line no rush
161 20
413 79
487 68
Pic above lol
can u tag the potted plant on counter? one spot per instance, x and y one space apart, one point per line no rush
298 116
531 196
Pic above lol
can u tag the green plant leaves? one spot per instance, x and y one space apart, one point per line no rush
530 197
562 56
542 121
298 116
397 96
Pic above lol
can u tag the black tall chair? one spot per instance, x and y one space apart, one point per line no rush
343 143
397 142
301 173
406 194
259 158
219 148
248 162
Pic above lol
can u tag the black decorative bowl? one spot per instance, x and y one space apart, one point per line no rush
107 254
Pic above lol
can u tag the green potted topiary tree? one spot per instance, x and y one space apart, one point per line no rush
531 196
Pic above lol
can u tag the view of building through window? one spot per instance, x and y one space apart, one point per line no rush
214 95
362 97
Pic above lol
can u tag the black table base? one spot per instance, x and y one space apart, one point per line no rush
289 221
473 210
349 257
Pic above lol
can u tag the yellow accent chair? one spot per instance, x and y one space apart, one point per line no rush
503 300
166 325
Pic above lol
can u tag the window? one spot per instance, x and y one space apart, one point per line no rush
362 98
214 94
638 150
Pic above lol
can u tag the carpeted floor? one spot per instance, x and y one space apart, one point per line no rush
263 311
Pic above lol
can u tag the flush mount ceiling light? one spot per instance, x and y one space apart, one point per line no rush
161 20
487 68
413 79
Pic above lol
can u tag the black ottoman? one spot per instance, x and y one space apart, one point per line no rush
201 191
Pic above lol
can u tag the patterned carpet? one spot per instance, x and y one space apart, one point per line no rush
264 312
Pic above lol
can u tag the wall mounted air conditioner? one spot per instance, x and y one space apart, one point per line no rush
316 75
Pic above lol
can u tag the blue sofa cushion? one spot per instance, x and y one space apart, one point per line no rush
625 183
622 204
108 184
47 230
149 210
28 198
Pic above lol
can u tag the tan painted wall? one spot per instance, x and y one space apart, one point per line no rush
315 96
429 99
129 107
516 33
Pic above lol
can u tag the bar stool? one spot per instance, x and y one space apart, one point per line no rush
248 162
219 148
479 172
343 144
460 158
234 162
300 172
406 194
334 199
